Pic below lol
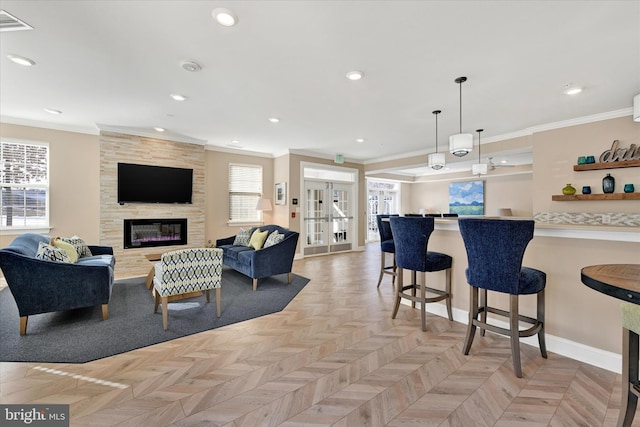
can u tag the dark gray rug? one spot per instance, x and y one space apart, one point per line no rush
78 336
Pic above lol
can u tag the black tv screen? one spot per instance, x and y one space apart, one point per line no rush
153 184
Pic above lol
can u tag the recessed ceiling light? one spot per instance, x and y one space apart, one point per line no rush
21 60
224 17
191 66
52 111
571 89
355 75
178 97
274 119
360 140
503 161
235 141
159 129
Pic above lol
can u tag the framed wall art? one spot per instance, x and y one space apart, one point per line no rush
466 198
281 193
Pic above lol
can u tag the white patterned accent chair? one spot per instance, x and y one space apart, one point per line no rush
185 271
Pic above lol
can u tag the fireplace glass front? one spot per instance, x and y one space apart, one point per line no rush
142 233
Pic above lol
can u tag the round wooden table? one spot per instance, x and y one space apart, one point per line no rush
620 281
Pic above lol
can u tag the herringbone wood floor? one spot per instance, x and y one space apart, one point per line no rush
333 357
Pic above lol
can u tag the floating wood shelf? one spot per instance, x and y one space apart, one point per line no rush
583 197
609 165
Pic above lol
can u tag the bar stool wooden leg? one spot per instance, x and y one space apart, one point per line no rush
630 391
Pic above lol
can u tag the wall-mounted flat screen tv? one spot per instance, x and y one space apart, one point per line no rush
154 184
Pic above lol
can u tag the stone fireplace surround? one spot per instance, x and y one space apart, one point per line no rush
117 147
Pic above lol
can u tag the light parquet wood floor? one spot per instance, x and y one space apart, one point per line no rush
333 357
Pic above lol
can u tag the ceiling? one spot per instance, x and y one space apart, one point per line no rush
113 65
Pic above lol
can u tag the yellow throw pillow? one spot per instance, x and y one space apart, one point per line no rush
67 247
257 239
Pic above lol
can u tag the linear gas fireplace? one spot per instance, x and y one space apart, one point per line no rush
144 233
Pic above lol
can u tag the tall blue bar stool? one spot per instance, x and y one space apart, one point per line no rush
411 236
630 315
386 247
495 249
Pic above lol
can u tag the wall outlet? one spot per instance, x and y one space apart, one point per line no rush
606 219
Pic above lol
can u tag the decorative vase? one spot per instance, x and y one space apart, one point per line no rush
608 184
628 188
586 189
568 190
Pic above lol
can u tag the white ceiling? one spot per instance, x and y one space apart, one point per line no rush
115 63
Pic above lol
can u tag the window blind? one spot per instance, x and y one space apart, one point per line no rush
245 188
24 183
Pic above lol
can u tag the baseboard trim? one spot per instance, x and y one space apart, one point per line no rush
562 346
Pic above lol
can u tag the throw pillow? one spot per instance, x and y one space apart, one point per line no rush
257 239
51 253
81 247
243 237
273 239
67 247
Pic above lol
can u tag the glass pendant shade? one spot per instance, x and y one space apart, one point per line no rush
460 144
436 161
479 169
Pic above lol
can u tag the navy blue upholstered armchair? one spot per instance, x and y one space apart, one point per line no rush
386 247
495 249
411 236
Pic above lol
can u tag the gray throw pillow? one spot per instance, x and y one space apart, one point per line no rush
273 239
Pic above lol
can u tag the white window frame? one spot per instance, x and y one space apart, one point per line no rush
43 227
256 194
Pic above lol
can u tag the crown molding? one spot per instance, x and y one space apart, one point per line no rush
165 136
89 130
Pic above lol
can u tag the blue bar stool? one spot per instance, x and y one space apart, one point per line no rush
630 315
411 236
386 247
495 249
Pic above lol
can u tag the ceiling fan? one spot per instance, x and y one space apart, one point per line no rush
493 166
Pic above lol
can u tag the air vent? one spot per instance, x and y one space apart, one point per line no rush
9 22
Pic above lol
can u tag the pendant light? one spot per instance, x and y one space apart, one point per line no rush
480 168
460 144
436 160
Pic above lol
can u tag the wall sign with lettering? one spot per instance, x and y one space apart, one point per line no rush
615 154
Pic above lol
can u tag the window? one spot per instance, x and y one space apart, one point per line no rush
245 189
24 179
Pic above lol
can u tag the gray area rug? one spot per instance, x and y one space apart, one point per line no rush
78 336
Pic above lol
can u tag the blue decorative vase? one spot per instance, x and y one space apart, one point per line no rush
608 184
586 189
628 188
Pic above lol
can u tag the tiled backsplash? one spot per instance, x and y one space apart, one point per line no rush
616 219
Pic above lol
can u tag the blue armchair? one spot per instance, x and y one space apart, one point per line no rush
42 286
261 263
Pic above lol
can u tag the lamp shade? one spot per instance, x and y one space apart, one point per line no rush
460 144
636 108
505 212
479 169
263 205
436 161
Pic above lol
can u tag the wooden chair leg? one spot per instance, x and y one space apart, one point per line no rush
515 334
105 311
255 284
473 315
398 297
289 277
414 283
23 324
218 301
447 289
156 300
206 293
629 400
483 313
541 340
395 267
165 314
423 302
381 268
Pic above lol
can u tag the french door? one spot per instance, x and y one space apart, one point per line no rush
328 217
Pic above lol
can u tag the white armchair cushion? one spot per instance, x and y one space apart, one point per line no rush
188 270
